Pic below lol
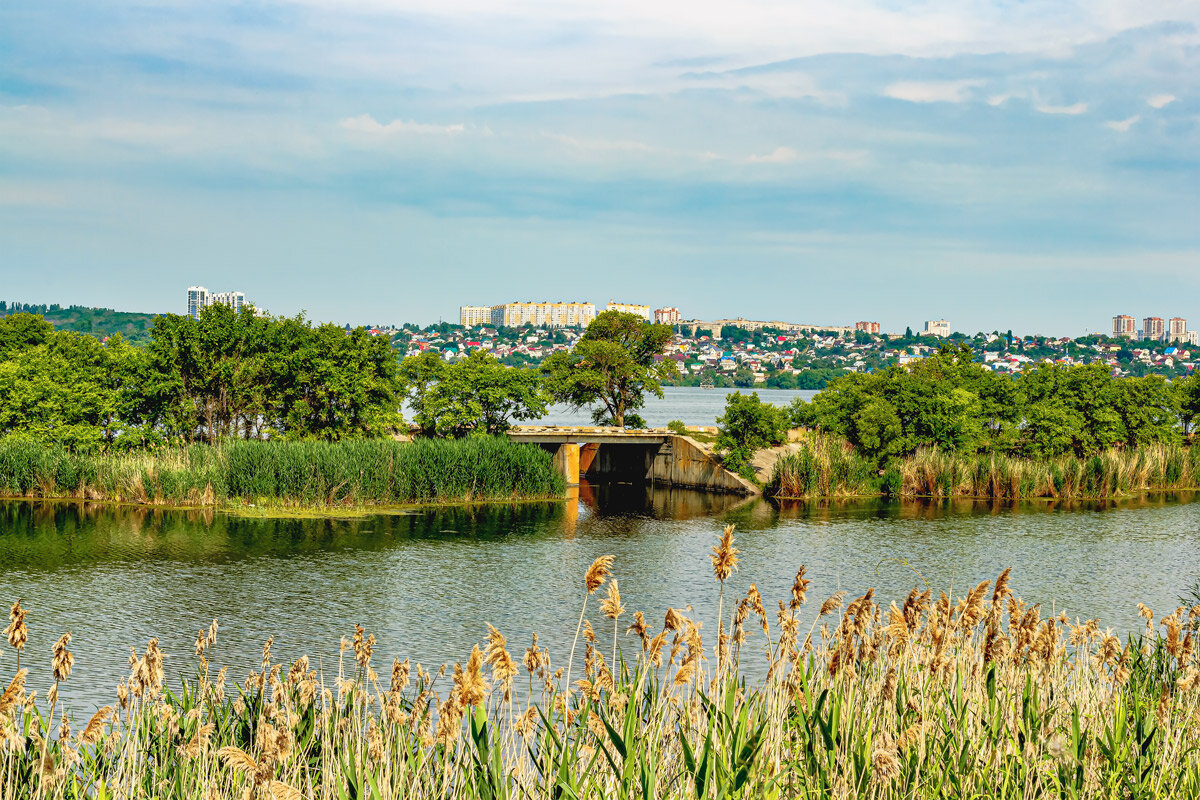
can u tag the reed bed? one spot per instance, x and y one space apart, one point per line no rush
824 466
828 467
363 472
935 697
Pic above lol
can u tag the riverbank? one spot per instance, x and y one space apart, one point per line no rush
858 700
288 478
821 465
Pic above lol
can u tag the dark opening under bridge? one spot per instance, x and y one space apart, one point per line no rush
656 456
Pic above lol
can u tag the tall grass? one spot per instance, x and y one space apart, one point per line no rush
978 696
824 466
303 473
828 467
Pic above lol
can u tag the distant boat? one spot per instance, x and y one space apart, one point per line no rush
707 382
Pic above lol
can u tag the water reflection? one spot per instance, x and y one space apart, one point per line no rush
428 583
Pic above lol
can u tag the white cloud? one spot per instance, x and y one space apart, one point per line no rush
1160 100
1072 110
932 91
365 123
1123 125
1004 97
780 155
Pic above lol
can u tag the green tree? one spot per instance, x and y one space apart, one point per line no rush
20 332
420 375
60 391
1187 395
748 425
1148 409
616 362
478 394
878 431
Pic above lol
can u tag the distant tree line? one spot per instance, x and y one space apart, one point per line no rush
953 403
239 375
228 374
99 322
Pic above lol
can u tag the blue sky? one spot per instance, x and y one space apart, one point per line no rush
1033 165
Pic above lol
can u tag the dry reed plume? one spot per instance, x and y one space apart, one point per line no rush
929 697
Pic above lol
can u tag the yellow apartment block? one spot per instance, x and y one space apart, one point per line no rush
470 316
540 315
630 308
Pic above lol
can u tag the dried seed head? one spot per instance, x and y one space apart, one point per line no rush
94 730
600 569
469 683
724 555
639 628
63 660
17 632
799 589
14 695
611 605
833 603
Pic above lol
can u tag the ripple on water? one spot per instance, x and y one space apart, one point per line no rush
116 577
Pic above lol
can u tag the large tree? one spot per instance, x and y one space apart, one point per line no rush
613 365
478 394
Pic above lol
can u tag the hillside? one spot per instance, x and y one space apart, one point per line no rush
99 322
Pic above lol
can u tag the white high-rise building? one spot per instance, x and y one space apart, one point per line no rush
197 298
234 300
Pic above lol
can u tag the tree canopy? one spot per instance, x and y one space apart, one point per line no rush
953 403
616 362
227 374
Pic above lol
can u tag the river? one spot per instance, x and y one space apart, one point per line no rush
427 583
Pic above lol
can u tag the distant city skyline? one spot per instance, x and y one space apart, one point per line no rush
1027 166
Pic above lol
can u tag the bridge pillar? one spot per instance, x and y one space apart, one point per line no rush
566 460
587 455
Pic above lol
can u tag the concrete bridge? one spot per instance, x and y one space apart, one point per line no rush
657 456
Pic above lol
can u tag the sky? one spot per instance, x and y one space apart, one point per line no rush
1001 164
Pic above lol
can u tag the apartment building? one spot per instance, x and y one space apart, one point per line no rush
1177 330
629 308
543 315
1124 325
199 297
936 327
868 327
1153 328
667 316
471 316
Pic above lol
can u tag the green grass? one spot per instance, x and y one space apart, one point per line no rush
316 474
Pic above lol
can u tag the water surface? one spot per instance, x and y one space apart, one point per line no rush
427 583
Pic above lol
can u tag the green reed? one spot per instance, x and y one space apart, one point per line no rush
826 466
298 473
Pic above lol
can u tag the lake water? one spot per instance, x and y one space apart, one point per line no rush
689 404
427 583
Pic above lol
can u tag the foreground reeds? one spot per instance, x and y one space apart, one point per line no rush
355 472
827 466
931 698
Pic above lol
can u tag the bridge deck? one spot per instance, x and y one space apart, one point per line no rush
586 435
